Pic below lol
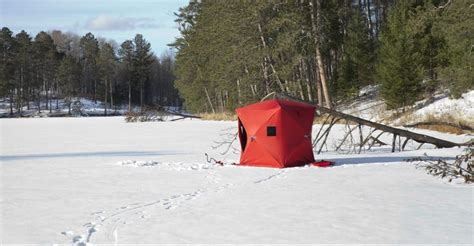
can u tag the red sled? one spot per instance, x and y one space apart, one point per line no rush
322 163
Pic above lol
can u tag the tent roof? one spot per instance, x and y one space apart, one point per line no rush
273 104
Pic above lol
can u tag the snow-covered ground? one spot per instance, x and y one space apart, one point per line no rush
370 106
101 180
60 106
461 108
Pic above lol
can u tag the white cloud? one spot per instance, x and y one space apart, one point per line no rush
113 23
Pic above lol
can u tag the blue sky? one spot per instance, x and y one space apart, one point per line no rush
112 19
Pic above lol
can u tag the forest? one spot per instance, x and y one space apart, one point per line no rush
38 72
232 53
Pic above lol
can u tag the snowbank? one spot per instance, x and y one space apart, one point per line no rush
462 108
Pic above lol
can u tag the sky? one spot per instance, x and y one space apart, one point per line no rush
111 19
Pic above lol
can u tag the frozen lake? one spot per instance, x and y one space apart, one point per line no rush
101 180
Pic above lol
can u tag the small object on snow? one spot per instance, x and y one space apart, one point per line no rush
214 161
78 239
322 163
67 233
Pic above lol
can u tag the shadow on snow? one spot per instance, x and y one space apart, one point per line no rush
88 154
380 159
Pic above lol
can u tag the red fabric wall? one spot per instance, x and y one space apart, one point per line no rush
292 144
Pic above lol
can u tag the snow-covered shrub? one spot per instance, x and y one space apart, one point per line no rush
148 114
461 168
76 107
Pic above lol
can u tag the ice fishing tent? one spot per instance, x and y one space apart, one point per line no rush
276 133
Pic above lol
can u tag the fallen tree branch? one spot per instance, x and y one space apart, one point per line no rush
345 137
462 167
326 134
421 138
156 114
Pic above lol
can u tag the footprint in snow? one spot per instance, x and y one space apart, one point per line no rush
280 174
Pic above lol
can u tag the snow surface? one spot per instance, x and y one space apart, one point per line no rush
101 180
88 107
461 108
370 106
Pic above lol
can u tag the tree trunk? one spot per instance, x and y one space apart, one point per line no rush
300 79
319 60
39 100
57 95
268 61
45 91
129 96
319 88
111 95
20 97
50 100
209 100
369 17
265 76
69 106
11 103
28 92
239 93
105 98
95 91
141 98
307 69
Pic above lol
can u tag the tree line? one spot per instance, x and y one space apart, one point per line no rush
38 72
231 53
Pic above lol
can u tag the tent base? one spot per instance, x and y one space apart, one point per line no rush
322 163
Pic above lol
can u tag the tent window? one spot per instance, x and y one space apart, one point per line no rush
271 131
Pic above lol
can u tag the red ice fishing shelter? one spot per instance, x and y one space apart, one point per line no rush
276 133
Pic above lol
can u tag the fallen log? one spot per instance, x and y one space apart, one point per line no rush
421 138
182 115
156 114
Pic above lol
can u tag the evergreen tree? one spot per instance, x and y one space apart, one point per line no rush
142 59
357 65
46 63
90 50
456 24
69 75
24 68
126 53
106 63
8 49
399 67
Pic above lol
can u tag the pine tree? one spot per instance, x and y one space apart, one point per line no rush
456 25
106 63
8 49
24 68
142 60
69 75
357 65
46 63
90 51
126 53
399 67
